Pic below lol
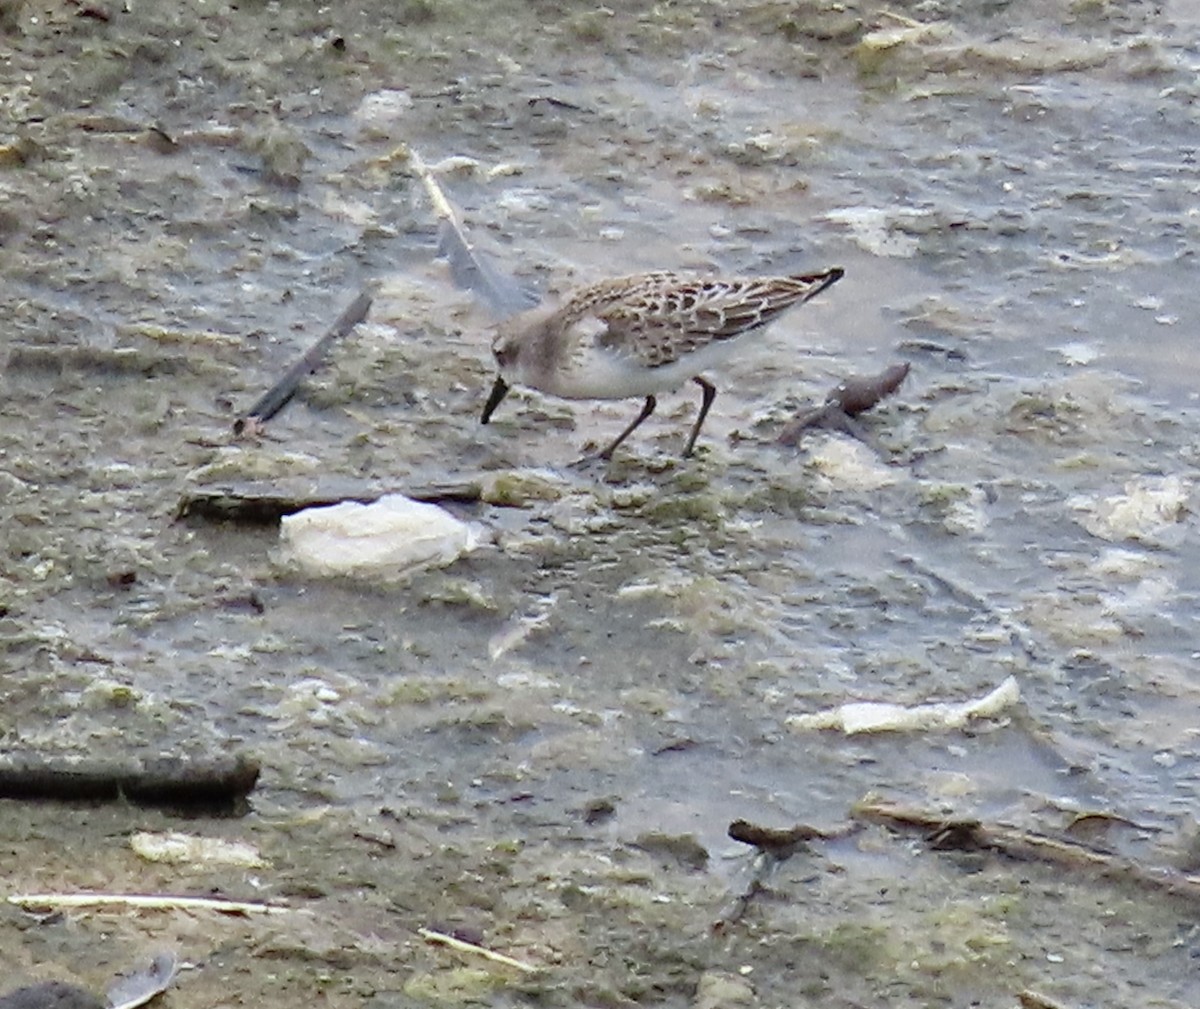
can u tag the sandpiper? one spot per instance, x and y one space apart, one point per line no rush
641 335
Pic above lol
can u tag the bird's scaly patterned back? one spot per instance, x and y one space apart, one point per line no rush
656 318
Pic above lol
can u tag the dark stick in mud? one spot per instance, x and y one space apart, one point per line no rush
855 395
277 397
259 504
775 845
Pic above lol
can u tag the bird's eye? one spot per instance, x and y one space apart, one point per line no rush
505 352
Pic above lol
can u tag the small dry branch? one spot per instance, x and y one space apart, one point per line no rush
145 901
442 939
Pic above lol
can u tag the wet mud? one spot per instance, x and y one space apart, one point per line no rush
541 746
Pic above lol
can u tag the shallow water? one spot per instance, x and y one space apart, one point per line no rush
1012 191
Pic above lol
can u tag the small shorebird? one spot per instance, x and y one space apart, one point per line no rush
641 335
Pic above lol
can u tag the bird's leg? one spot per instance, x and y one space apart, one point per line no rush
647 409
709 391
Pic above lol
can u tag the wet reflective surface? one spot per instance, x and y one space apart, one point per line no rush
1012 191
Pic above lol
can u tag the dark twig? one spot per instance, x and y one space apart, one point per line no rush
277 397
262 504
780 843
853 396
775 845
557 103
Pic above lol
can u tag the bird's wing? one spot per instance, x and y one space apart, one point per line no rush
668 317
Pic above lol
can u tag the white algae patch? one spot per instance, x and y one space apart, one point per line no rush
1079 353
178 849
382 110
391 536
1151 510
850 465
874 229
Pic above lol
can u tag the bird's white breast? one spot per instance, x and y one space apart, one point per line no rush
601 373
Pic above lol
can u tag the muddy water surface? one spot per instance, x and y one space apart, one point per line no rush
545 742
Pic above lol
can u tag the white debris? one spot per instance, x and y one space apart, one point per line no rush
873 228
1079 353
457 164
1151 510
176 848
967 515
505 169
388 537
1119 564
870 716
382 109
1147 598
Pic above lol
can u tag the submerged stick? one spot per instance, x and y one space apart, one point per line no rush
441 938
1019 633
966 834
277 397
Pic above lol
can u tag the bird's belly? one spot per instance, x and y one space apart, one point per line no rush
601 375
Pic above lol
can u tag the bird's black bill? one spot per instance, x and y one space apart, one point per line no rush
499 391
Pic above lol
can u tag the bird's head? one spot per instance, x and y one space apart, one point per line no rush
506 349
